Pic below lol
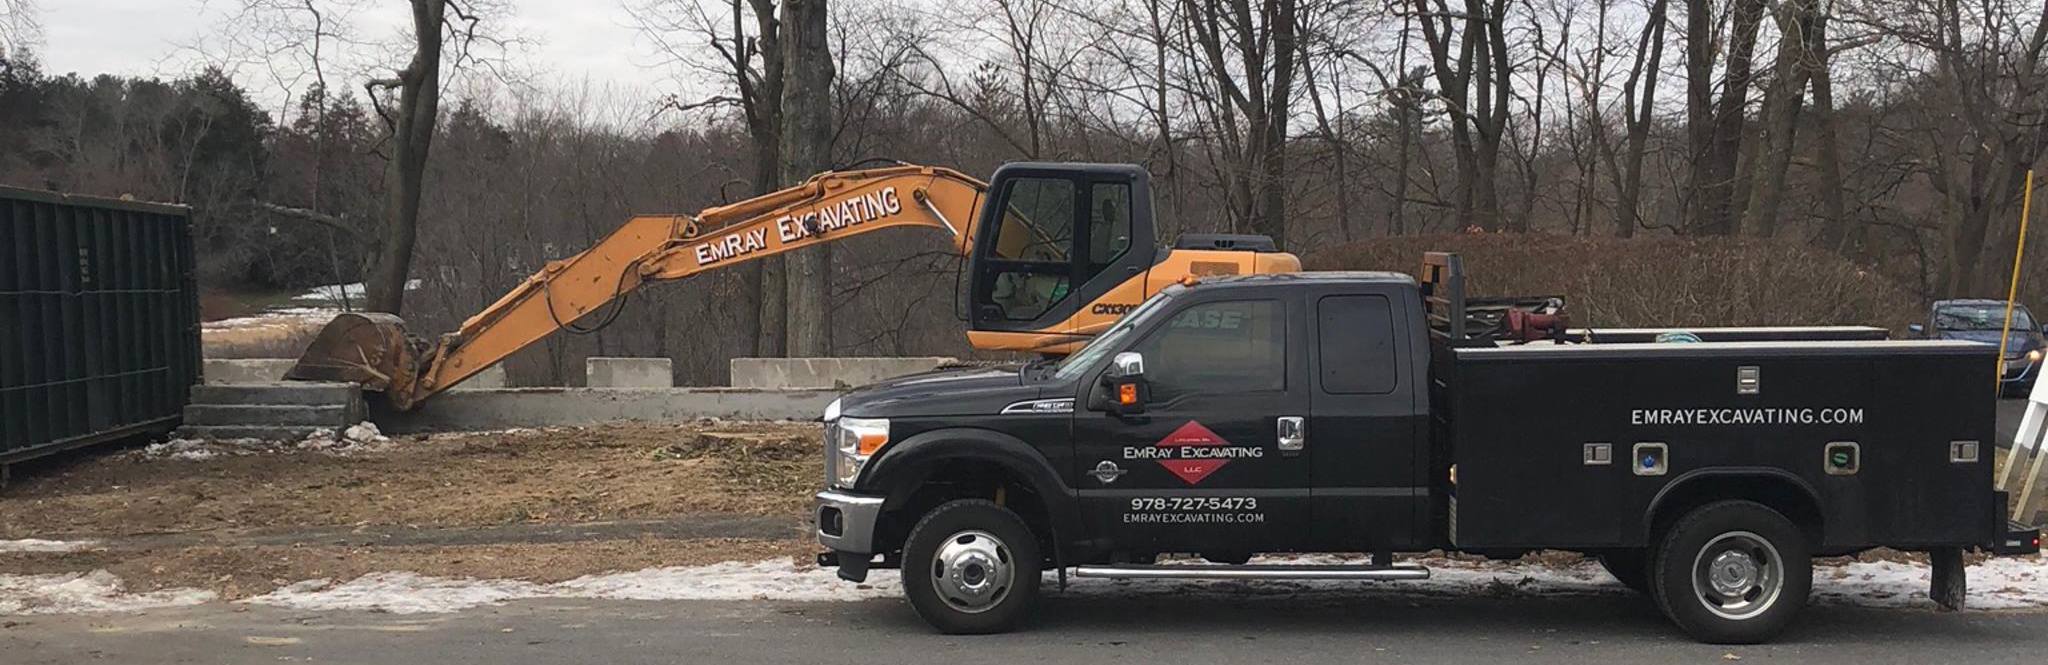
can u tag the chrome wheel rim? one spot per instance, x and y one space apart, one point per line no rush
1738 575
973 571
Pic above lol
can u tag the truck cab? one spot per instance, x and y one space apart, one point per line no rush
1333 412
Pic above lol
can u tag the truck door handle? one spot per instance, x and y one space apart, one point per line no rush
1292 434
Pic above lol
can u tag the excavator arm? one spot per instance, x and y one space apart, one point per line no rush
376 351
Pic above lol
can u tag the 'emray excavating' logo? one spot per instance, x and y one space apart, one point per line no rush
1192 452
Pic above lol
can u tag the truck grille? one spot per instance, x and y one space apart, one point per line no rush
831 457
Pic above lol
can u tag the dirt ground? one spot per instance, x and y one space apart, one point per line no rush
539 477
546 475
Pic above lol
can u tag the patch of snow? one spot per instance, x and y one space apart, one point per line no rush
408 593
199 450
352 293
40 545
361 437
402 593
97 591
1997 584
280 318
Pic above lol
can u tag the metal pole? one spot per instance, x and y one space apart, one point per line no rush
2012 292
2024 511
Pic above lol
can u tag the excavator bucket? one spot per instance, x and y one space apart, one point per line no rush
370 349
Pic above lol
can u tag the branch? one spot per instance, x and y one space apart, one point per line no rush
330 221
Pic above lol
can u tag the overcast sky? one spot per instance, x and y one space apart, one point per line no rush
570 40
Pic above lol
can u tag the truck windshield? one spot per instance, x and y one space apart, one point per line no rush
1980 317
1105 343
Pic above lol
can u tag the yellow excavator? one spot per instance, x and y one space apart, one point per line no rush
1057 252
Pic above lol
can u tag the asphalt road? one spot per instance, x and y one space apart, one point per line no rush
1155 630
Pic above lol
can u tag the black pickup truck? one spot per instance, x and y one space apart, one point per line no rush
1367 412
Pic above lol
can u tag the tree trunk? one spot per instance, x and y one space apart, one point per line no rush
1627 209
1834 233
1782 104
766 276
419 105
806 145
1713 175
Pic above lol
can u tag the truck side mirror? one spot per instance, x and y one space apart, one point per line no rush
1916 329
1125 383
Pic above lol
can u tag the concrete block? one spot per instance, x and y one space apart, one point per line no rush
246 370
472 410
322 415
492 378
793 373
629 373
293 392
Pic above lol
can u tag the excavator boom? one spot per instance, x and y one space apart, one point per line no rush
375 350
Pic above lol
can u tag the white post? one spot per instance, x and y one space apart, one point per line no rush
2027 443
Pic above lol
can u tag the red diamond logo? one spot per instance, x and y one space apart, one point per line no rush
1192 471
1192 434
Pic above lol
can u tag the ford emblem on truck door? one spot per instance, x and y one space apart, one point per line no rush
1107 472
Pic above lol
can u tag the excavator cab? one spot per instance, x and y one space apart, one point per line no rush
1056 240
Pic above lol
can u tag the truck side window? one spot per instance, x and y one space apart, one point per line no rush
1357 343
1218 348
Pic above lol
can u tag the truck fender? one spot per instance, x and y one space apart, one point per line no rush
905 465
1682 485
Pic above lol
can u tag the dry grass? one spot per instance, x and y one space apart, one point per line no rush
554 475
1655 281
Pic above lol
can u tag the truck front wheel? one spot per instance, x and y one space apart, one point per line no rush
1732 572
971 567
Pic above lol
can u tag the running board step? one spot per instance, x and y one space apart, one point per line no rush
1399 571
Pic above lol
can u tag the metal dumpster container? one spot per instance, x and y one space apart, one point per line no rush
99 321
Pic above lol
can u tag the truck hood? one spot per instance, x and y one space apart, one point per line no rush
973 391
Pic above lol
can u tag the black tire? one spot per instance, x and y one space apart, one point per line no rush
977 530
1630 567
1732 572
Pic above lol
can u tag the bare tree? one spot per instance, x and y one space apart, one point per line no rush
20 27
1469 54
1714 125
1982 119
1249 57
746 41
412 123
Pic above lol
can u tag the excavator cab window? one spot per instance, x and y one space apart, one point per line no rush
1053 231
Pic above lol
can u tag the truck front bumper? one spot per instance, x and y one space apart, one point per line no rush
846 525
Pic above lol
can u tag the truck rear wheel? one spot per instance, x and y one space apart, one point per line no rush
1732 572
971 567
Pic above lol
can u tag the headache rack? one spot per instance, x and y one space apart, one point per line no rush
1458 320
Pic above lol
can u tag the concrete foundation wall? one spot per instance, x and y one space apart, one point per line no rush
789 373
548 407
629 373
221 371
251 370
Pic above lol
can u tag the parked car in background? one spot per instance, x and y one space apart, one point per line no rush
1983 320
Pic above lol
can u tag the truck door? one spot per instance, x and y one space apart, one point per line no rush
1202 469
1367 421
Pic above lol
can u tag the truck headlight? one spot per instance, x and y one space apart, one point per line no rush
2034 356
856 440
